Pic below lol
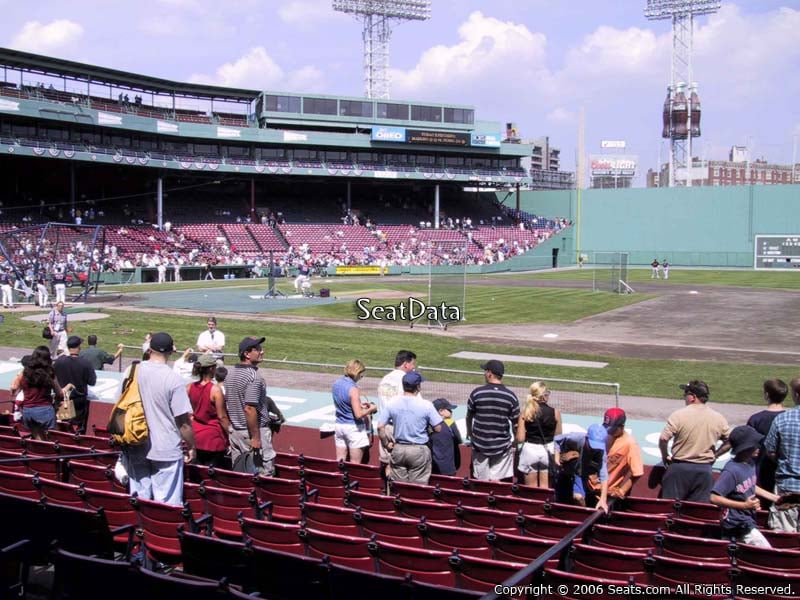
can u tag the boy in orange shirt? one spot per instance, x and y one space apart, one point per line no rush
624 456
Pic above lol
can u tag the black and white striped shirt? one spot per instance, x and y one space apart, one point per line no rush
494 408
245 385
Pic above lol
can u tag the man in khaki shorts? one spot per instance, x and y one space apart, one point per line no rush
410 455
492 415
390 387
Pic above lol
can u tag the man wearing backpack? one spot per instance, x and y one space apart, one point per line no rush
155 467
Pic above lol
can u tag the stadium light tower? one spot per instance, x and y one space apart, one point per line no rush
682 106
378 17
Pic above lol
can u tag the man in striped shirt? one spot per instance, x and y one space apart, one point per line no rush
248 409
492 414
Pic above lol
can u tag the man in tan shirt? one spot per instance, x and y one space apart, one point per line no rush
694 430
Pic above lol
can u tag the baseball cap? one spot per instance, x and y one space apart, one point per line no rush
162 342
696 387
596 435
441 403
494 366
743 438
74 341
250 342
412 378
206 360
614 417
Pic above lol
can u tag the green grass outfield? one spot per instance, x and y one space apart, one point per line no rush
786 280
316 342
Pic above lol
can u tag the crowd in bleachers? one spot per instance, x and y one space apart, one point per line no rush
323 519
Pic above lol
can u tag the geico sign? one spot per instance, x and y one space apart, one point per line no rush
385 134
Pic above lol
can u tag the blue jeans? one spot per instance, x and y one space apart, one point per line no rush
157 480
39 416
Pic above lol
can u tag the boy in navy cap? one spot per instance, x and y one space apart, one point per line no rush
736 491
445 443
582 458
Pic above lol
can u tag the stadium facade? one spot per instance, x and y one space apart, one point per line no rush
68 111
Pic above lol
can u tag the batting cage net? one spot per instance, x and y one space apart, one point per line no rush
35 254
610 272
447 283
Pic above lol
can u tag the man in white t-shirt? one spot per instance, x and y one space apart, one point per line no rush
390 387
212 340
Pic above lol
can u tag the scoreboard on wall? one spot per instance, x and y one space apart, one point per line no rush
777 252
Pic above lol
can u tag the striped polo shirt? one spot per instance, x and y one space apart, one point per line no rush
245 385
493 408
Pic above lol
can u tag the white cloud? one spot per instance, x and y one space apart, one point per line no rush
257 69
490 54
44 38
307 13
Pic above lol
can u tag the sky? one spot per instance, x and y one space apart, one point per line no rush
536 63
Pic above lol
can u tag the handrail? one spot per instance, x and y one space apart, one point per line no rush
24 459
538 564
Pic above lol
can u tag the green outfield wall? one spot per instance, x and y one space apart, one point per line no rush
700 226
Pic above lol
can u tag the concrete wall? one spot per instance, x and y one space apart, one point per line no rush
709 226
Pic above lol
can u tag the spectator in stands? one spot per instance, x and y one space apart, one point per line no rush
248 408
353 426
624 457
72 369
694 430
775 392
57 322
412 417
212 340
445 444
736 491
783 446
185 364
209 418
537 426
37 381
156 467
490 409
391 386
97 357
219 376
581 462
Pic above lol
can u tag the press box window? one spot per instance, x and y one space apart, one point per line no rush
319 106
286 104
392 111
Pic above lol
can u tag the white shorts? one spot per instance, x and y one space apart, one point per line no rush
534 457
492 468
349 435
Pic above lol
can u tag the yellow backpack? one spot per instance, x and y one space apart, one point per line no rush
128 424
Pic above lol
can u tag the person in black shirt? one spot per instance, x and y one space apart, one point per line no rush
538 424
71 368
775 392
445 442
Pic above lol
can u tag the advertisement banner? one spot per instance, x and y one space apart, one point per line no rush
617 144
612 165
360 270
487 140
389 134
437 138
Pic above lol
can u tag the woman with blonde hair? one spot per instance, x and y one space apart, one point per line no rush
538 424
351 432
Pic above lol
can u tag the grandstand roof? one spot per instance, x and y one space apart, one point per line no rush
60 68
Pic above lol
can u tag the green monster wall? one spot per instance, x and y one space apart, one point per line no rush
706 226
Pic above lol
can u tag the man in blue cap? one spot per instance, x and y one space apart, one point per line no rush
581 459
411 414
